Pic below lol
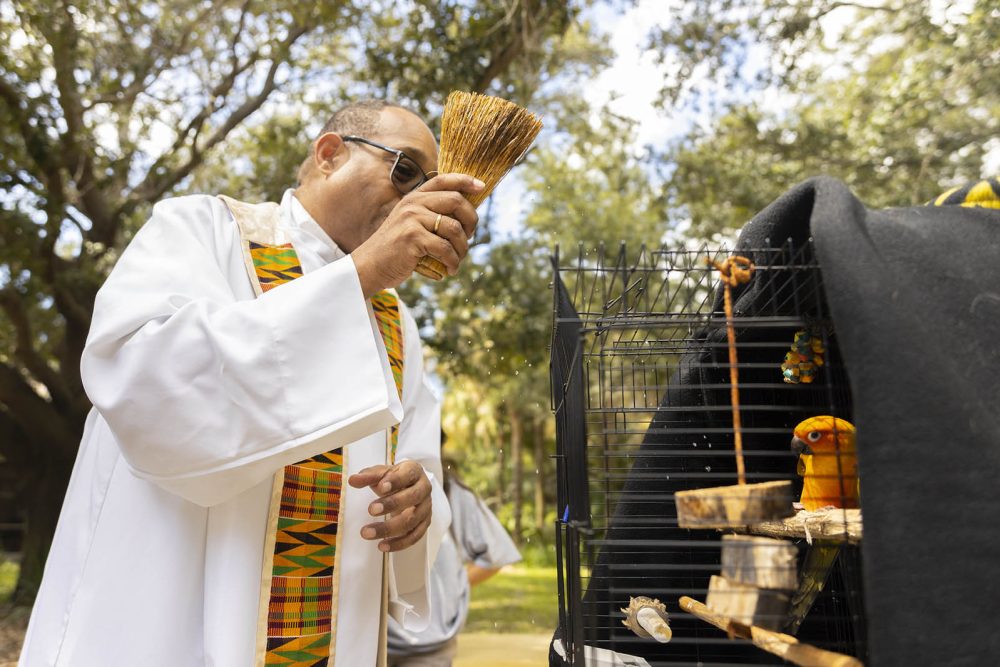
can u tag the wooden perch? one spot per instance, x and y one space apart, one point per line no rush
733 506
760 561
829 524
748 605
784 646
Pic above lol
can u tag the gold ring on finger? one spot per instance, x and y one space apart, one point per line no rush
437 224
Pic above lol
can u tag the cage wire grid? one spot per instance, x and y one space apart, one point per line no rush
641 396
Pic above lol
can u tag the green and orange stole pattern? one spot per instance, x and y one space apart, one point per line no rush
300 582
386 309
273 265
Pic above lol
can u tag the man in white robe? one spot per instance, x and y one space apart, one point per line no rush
203 393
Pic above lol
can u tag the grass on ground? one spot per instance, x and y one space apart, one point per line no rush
8 578
13 620
521 599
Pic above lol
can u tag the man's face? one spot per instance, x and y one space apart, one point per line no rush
364 192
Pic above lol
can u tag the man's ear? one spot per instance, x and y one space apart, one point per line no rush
329 152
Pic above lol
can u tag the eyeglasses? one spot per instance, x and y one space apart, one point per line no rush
406 174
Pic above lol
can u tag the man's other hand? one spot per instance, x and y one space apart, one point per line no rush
407 234
404 495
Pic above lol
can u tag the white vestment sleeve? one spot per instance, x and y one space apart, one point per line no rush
419 440
209 391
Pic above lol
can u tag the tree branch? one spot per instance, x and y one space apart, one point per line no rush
13 443
500 61
161 50
36 143
63 39
858 5
33 413
10 177
221 89
522 32
155 186
25 351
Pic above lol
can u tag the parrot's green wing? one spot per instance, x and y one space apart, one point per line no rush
819 562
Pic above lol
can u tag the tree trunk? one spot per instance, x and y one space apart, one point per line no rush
501 471
43 499
540 476
517 470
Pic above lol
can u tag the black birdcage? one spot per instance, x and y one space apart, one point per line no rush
642 396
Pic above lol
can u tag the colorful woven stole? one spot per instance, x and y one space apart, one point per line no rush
300 579
385 305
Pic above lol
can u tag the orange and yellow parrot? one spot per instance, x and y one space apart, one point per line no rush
828 464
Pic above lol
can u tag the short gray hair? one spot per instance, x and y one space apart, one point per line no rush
359 119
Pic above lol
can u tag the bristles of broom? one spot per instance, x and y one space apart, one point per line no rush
483 137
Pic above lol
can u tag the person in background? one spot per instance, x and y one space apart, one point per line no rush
476 548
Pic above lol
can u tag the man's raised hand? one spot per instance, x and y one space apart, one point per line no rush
391 254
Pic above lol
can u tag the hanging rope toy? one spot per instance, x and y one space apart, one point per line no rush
739 504
734 271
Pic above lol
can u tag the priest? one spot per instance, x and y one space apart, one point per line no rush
258 481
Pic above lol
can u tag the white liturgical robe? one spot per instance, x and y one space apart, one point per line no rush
201 393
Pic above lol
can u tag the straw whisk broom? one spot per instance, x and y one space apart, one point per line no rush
483 137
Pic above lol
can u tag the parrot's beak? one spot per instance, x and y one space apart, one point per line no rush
799 446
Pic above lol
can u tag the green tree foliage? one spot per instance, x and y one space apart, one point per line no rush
459 46
591 186
904 105
107 107
260 160
413 53
490 328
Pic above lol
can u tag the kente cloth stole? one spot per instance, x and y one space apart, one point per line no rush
297 623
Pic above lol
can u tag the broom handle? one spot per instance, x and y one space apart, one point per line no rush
431 268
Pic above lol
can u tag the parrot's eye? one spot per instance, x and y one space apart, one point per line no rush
814 436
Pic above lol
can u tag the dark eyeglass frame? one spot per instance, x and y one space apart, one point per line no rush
400 155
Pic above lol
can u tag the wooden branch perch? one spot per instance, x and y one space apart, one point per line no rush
784 646
830 525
